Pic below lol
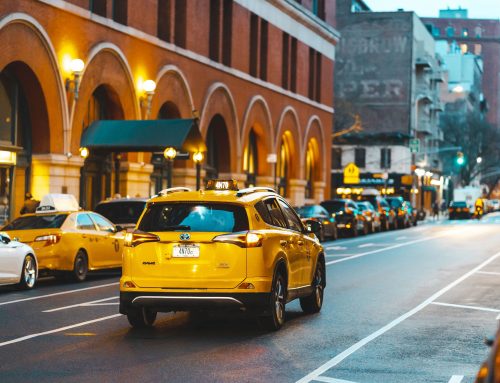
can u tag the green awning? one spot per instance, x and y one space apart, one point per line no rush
143 135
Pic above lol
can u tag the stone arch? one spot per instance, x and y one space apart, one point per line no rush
106 65
172 86
289 129
258 117
219 101
315 132
40 58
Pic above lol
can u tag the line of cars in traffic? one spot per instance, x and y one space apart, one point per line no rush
371 213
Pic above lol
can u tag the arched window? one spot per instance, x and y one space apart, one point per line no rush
283 167
218 150
250 159
310 170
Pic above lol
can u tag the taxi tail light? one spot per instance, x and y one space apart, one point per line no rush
245 240
50 239
137 237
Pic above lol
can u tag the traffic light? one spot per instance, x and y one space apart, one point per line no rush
460 160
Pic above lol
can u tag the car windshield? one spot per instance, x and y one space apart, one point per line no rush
191 216
52 221
305 211
334 206
395 202
121 212
458 204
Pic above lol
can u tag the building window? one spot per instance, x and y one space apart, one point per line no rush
180 23
164 14
263 49
227 31
314 75
318 77
120 11
293 66
478 31
385 158
318 8
450 31
214 33
285 61
360 157
478 48
336 158
436 32
465 32
98 7
254 46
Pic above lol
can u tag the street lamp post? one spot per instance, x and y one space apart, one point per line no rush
169 154
84 153
198 159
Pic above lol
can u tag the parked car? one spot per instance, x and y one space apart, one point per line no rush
327 224
459 209
387 215
68 242
372 216
403 218
412 212
122 211
18 263
349 218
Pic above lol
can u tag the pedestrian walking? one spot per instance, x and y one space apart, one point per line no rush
30 204
435 210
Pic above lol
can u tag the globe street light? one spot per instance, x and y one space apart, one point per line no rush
169 154
198 158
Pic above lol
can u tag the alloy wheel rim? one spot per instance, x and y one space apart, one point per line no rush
278 300
29 272
319 287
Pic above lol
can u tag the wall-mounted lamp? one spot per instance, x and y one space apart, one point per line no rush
198 159
84 152
148 87
72 85
169 154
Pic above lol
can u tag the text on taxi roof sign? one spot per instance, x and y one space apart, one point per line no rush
222 185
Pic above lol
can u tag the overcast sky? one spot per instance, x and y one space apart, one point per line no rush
478 9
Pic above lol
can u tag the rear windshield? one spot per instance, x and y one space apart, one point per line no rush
201 217
306 211
458 204
121 212
395 202
333 206
53 221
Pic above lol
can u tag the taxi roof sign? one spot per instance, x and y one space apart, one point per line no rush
58 202
222 185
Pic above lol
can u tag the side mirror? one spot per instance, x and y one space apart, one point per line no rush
5 238
313 227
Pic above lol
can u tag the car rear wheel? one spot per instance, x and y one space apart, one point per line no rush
141 317
322 234
80 267
335 234
312 304
28 273
275 314
354 229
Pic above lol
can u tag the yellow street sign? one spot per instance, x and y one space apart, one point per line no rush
351 174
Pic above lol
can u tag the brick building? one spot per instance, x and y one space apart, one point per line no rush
259 74
480 37
386 73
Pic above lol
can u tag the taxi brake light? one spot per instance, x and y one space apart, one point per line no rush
50 239
137 237
244 240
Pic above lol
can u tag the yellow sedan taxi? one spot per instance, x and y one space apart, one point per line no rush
67 241
220 248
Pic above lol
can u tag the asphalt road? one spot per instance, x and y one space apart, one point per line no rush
410 305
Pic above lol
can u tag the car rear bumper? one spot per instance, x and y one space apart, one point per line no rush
165 302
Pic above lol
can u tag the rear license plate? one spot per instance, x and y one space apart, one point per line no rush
186 251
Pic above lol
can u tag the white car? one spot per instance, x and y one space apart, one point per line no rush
18 263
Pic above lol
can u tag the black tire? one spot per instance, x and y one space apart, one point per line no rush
354 229
142 317
322 234
80 267
312 304
335 235
366 229
28 273
274 316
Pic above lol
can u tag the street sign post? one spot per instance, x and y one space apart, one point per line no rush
414 145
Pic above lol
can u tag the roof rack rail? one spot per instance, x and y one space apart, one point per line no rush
255 189
173 190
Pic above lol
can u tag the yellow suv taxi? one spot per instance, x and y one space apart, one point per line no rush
220 248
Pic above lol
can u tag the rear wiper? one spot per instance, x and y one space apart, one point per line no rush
177 227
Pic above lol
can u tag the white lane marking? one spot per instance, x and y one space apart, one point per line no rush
91 303
336 248
456 379
331 380
384 249
27 337
488 272
370 244
466 307
374 245
363 342
61 293
339 255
